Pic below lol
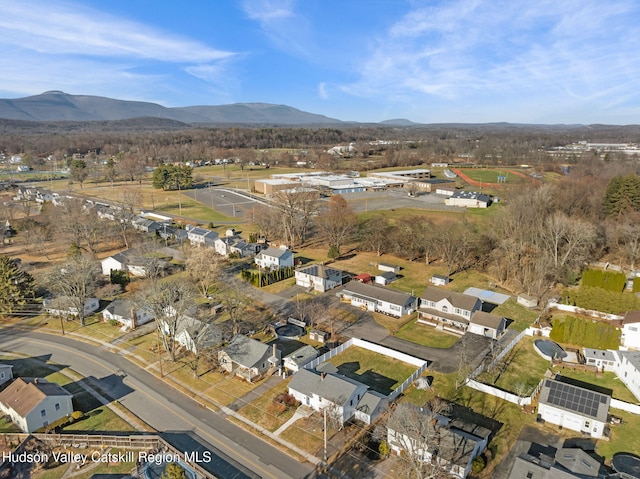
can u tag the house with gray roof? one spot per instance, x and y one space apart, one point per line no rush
274 258
468 199
572 406
448 309
628 370
602 359
379 299
122 311
248 358
338 394
297 359
450 443
6 373
318 277
546 462
201 236
130 260
487 324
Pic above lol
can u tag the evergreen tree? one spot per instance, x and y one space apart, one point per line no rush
15 285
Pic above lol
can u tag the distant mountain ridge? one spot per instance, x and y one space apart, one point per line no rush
60 106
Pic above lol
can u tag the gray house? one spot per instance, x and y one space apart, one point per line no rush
248 358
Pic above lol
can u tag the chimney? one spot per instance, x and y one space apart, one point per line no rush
275 355
322 375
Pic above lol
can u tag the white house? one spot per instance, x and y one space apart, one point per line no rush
129 260
450 444
274 258
235 245
196 335
630 336
248 358
604 360
301 356
35 403
340 395
487 324
574 407
468 199
122 311
62 306
6 373
379 299
318 277
627 369
450 309
201 236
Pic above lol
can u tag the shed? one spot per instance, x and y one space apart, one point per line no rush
317 335
527 301
385 278
394 268
363 278
439 279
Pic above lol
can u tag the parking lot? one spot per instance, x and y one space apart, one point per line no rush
225 201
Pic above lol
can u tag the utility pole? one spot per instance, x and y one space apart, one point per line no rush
325 434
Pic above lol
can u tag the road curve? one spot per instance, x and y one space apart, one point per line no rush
160 405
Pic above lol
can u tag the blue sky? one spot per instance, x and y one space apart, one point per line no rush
542 61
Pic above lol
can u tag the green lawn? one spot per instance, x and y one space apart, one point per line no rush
491 175
100 419
522 317
520 371
426 335
265 412
380 372
191 208
625 437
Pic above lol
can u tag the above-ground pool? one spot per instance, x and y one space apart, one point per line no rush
626 463
549 349
289 331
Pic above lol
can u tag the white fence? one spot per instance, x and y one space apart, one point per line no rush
421 364
487 367
625 406
586 312
502 394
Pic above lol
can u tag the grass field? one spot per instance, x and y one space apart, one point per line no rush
522 317
426 335
486 175
520 371
381 373
265 412
625 437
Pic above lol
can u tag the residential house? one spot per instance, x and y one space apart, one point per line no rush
468 199
6 373
338 394
122 311
628 370
318 277
274 258
33 403
568 462
301 356
448 309
196 335
630 337
574 407
449 444
604 360
129 260
248 358
379 299
145 225
385 278
173 233
234 245
487 324
201 236
62 306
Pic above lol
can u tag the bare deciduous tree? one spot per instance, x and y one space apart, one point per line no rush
338 222
204 268
76 280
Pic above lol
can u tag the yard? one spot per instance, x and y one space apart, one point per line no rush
426 335
520 371
265 412
381 373
625 437
606 380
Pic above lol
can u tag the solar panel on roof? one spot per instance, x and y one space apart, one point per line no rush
574 398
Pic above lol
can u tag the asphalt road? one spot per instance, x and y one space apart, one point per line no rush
237 453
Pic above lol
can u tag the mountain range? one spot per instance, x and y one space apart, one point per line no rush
59 106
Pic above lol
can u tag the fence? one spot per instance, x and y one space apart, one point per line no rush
487 367
502 394
421 364
625 406
587 312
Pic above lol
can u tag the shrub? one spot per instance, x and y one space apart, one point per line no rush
384 449
478 464
609 280
598 299
583 332
333 252
113 322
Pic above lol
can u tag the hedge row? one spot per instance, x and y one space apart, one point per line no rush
266 278
585 333
609 280
599 299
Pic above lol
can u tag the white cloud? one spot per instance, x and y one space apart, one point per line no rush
70 46
322 91
518 52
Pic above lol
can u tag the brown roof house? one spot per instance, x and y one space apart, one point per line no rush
33 403
449 309
487 324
